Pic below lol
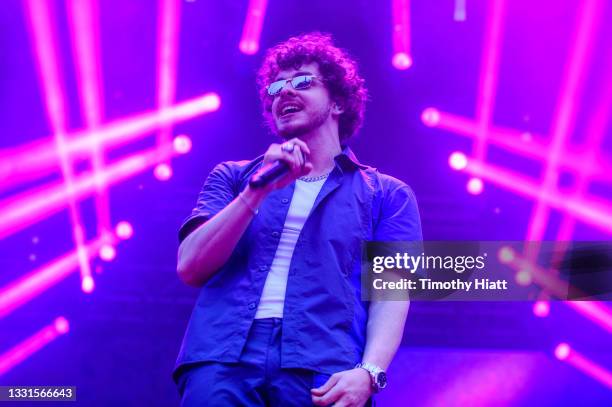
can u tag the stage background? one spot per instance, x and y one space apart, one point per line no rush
549 77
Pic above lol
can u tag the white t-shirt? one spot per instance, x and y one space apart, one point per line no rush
273 297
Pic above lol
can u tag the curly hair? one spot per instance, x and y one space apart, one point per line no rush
338 69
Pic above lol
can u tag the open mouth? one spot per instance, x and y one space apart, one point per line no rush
288 109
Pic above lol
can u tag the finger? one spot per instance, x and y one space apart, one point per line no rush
273 153
292 160
331 382
294 148
317 401
302 144
306 169
300 155
330 397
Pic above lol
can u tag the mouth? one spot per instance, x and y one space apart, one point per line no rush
288 108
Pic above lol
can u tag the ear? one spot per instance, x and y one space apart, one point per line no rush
337 109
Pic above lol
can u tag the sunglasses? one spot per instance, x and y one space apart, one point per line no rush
299 83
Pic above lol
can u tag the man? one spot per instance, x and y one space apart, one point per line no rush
279 319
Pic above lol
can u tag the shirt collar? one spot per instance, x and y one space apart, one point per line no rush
347 159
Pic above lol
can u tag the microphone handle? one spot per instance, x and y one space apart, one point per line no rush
267 175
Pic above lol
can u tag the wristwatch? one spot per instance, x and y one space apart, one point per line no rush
379 377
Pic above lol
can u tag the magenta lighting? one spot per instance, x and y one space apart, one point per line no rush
169 12
528 272
107 252
431 117
30 207
38 159
597 312
525 144
402 58
541 309
182 144
595 133
124 230
489 69
569 355
88 285
253 23
25 288
44 42
587 21
459 13
593 211
475 186
61 325
62 150
163 172
562 351
33 344
506 255
585 162
457 161
84 35
523 277
487 85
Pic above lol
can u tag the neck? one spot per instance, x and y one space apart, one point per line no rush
324 145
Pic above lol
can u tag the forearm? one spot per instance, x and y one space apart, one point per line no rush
384 331
208 247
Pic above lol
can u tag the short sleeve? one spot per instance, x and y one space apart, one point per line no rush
218 191
399 217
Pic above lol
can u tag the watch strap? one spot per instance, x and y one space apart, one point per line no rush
374 371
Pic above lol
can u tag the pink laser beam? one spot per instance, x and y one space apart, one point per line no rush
596 311
549 281
33 344
489 69
30 207
84 33
595 133
124 230
39 158
569 355
597 213
402 57
27 287
533 147
253 23
44 41
565 114
167 54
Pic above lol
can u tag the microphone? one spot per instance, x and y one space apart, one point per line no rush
270 173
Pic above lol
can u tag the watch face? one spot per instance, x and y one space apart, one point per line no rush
381 380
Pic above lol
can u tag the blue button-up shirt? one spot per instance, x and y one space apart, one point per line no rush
324 318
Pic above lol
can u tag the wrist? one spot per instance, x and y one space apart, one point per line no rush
253 197
377 375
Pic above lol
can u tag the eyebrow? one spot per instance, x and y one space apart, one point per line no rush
298 73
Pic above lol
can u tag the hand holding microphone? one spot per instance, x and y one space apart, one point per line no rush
283 163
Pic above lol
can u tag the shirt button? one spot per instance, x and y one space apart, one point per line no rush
275 234
284 200
252 305
263 268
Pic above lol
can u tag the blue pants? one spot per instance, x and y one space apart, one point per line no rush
257 380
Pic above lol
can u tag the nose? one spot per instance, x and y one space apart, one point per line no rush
287 88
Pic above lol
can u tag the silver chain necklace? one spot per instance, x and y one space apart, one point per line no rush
314 179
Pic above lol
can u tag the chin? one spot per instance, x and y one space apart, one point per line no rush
291 130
